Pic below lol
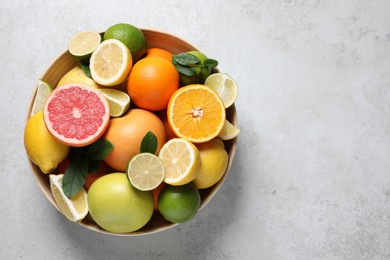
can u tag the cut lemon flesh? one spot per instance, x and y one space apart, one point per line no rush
181 160
196 113
110 63
118 101
145 171
43 91
82 44
229 131
74 209
224 85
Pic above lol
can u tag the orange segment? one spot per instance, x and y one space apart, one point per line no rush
196 113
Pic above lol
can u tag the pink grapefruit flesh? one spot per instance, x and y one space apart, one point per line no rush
76 114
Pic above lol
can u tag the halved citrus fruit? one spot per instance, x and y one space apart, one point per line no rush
82 44
76 114
119 101
196 113
74 209
43 91
110 63
145 171
229 131
181 161
224 85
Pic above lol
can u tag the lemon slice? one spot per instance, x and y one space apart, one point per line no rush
145 171
74 209
43 91
110 63
82 44
118 101
224 85
181 160
229 131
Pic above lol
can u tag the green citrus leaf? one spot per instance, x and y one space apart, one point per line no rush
185 70
74 176
149 143
93 165
186 59
99 149
86 70
210 63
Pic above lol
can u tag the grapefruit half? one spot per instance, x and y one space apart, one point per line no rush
76 114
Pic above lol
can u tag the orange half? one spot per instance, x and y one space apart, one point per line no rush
196 113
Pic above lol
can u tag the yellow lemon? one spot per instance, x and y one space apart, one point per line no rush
41 147
77 75
214 161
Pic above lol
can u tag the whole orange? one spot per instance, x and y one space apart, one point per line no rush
126 133
158 52
151 83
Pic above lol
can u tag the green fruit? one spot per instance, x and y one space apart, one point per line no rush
82 44
131 36
204 74
179 204
202 57
118 207
41 147
201 73
187 80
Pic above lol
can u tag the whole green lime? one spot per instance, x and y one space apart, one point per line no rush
131 36
179 204
201 56
118 207
201 73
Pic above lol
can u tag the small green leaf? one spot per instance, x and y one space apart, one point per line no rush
86 70
186 59
185 70
149 143
74 176
93 165
99 149
210 63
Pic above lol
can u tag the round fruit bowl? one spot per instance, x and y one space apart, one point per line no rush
62 65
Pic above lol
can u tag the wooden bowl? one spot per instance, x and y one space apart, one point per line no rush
66 62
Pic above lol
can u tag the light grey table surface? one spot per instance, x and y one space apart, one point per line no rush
311 177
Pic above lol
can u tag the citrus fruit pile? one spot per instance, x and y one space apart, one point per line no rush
131 131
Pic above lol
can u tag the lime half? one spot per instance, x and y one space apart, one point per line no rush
43 91
225 86
82 44
118 101
145 171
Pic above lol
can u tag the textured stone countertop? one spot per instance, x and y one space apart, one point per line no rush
310 179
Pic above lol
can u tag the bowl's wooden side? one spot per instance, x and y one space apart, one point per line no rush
66 62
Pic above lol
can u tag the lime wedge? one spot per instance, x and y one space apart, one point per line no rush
118 101
224 85
229 131
43 91
145 171
82 44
